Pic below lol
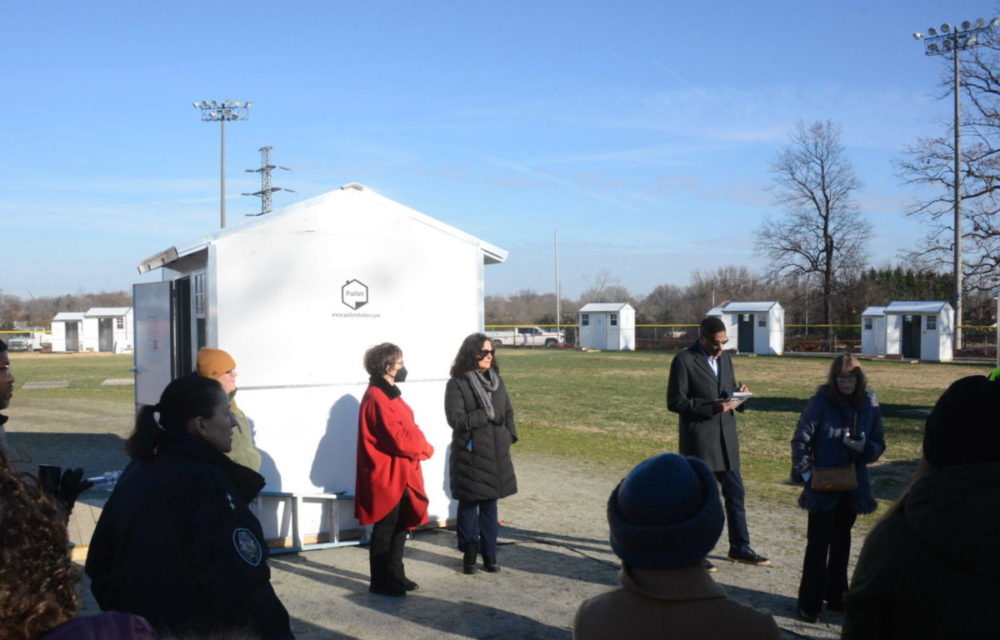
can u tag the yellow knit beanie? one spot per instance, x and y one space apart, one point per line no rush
212 363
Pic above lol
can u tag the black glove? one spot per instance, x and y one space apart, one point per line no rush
71 485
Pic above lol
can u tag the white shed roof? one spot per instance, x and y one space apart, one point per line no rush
593 307
874 311
934 306
104 312
368 199
742 307
67 315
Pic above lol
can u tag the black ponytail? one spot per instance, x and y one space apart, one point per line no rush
185 398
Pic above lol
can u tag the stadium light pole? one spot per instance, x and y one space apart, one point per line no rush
953 39
221 112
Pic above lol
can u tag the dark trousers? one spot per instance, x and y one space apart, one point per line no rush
385 550
477 522
736 515
828 547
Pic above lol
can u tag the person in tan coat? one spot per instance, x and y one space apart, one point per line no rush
220 366
665 517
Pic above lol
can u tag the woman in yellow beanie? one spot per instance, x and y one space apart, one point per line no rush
219 365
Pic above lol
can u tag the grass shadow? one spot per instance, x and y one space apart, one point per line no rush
891 478
784 405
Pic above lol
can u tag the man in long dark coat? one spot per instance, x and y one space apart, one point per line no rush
700 390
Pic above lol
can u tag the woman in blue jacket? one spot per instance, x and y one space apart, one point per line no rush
840 425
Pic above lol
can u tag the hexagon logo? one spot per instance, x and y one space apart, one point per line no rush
354 294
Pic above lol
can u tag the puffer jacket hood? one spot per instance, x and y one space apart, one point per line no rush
955 514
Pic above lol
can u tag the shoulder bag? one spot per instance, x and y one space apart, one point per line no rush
842 478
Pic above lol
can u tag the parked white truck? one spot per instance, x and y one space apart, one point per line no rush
525 337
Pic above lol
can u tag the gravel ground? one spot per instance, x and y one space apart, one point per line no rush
554 554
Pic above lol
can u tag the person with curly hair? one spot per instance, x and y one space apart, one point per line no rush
481 417
38 597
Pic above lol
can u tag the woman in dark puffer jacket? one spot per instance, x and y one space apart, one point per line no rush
482 421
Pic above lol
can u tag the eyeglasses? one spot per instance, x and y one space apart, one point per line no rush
486 352
846 377
717 343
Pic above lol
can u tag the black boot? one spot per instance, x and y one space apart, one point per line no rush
490 564
469 559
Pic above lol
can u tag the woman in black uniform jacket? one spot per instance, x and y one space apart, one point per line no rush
176 543
482 421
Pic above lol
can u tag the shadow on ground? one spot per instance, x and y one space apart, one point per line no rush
95 452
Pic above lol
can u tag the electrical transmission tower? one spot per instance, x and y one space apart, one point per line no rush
265 181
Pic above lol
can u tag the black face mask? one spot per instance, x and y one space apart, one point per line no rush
401 375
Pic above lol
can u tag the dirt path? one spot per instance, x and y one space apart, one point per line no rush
555 554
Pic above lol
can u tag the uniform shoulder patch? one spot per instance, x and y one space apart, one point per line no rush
247 546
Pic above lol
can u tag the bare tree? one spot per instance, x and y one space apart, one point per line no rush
822 231
605 287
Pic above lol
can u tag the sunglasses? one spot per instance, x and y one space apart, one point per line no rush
486 352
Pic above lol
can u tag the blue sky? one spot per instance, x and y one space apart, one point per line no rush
642 130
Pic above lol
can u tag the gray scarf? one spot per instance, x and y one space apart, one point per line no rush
483 384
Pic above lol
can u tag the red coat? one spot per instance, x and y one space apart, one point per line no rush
390 448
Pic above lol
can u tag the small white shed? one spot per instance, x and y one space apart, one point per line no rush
758 327
67 331
296 297
873 331
608 326
108 329
920 330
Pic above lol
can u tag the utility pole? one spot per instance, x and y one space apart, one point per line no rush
265 181
953 39
555 251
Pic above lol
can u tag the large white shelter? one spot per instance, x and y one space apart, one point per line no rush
297 297
921 330
607 325
67 331
108 329
873 331
758 327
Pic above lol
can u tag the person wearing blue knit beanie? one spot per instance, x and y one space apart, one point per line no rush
664 518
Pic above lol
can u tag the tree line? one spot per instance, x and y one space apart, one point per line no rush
800 296
34 313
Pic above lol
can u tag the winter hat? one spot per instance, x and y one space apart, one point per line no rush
962 428
212 363
666 513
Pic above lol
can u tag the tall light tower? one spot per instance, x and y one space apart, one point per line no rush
222 112
953 39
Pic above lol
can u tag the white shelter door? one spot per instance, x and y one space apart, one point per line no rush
153 340
72 336
599 324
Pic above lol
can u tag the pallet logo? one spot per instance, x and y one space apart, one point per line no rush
354 294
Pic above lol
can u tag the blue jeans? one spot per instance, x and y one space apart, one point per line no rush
477 522
736 515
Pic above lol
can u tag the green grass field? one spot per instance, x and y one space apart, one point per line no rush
605 408
610 408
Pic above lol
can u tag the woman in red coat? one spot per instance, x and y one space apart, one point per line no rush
390 486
